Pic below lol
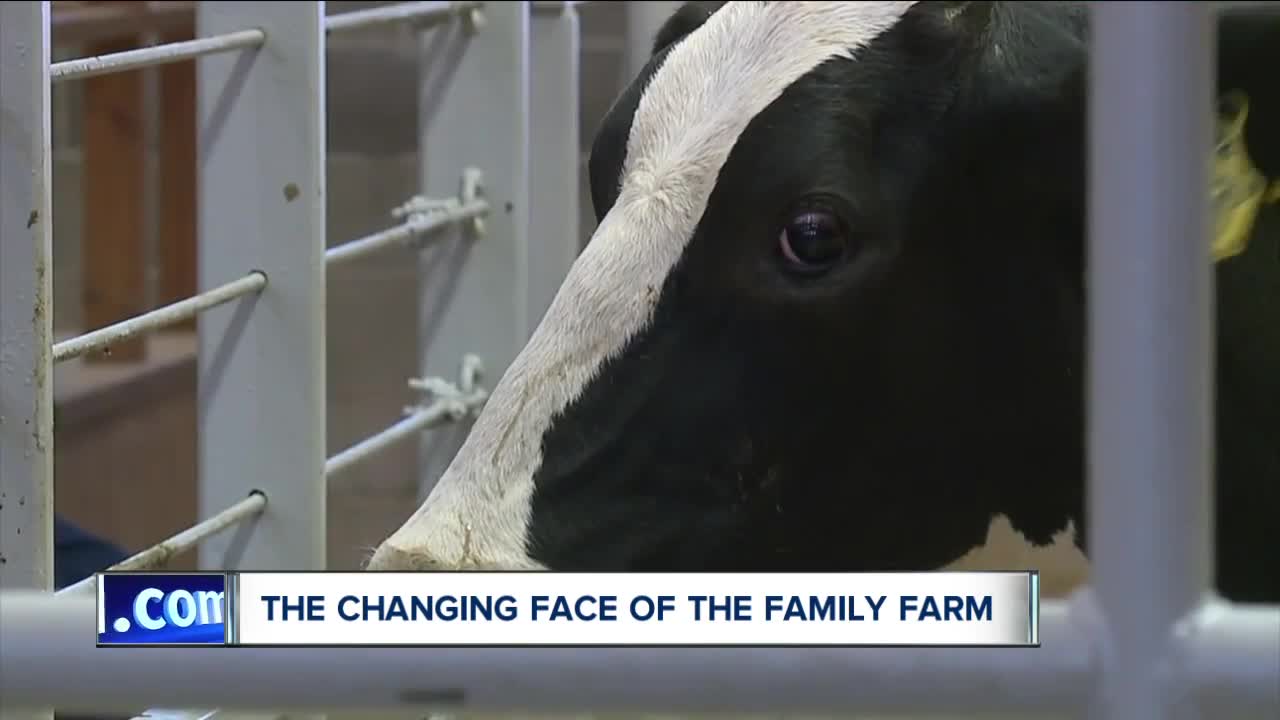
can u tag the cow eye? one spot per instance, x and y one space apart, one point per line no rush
812 241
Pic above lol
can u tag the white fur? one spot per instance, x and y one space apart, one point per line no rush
696 105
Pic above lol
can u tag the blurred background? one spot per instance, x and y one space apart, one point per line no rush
124 242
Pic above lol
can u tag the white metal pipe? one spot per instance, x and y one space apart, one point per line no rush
1232 655
1150 328
404 232
407 12
158 318
26 312
177 714
437 413
555 87
473 112
261 205
49 656
81 68
160 553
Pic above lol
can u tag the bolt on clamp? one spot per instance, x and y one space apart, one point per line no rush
431 212
473 190
459 400
473 19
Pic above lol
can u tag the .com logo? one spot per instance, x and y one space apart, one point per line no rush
153 609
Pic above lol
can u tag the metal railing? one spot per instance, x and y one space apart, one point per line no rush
159 318
158 55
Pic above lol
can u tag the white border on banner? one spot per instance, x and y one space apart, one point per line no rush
1017 627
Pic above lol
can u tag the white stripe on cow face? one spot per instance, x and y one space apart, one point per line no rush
694 108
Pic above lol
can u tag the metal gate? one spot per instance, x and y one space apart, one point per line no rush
499 85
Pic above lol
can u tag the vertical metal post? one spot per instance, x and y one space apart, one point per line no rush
26 306
474 112
644 20
553 155
26 312
1150 296
262 207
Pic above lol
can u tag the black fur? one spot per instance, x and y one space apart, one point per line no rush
877 417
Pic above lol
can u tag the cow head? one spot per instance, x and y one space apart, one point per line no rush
831 317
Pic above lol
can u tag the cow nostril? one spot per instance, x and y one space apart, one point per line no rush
388 558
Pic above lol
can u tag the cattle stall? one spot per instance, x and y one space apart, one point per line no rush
498 92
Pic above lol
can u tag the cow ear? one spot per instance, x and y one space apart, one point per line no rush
966 16
1246 167
952 21
688 18
1248 91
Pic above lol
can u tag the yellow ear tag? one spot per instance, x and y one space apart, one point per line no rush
1238 190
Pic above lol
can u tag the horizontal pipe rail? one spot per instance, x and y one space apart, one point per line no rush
157 555
1234 653
405 232
49 656
158 318
437 413
415 12
167 714
165 54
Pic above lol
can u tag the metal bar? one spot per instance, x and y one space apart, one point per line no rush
26 257
419 13
159 318
1231 654
431 416
473 113
1150 325
49 654
262 205
81 68
404 232
26 311
554 152
167 714
157 555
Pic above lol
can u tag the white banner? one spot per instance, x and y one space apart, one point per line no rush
634 609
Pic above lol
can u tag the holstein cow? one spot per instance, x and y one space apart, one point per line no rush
833 314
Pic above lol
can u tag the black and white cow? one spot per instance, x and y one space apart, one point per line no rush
832 316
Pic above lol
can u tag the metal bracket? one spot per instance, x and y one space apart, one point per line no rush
460 400
473 191
432 212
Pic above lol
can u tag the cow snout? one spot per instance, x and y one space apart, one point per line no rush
392 559
455 531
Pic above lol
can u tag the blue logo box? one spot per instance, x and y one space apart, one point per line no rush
149 608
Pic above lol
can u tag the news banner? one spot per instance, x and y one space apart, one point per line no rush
508 609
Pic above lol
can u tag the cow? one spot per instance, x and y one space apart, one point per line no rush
832 317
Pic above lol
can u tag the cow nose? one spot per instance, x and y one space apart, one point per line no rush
390 558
